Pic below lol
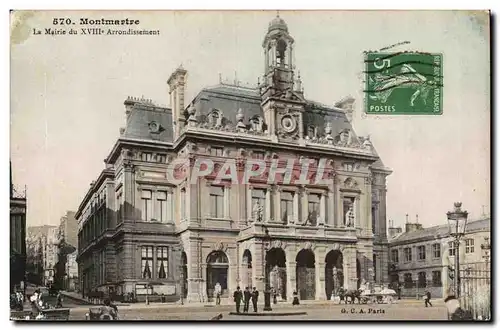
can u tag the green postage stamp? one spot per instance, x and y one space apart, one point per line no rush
409 83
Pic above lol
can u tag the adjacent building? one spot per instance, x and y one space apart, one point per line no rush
17 236
424 258
36 241
67 269
141 231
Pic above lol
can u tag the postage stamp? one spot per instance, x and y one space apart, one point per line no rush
409 83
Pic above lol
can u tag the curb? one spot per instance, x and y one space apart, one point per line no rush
269 313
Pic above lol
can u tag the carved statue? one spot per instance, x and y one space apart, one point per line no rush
257 211
349 217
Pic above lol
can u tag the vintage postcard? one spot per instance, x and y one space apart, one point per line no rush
250 165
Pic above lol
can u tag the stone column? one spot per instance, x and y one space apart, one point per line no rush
268 214
258 261
193 252
339 221
291 271
322 208
320 280
350 280
295 207
129 191
277 208
332 218
227 201
249 204
305 207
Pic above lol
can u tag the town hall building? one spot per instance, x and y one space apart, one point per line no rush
144 233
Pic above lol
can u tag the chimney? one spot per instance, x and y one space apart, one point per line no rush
393 231
346 104
177 84
413 227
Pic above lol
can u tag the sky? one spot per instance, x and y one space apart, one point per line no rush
67 94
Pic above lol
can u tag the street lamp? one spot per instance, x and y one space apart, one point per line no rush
267 291
457 222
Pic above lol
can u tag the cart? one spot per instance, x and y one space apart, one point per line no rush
385 296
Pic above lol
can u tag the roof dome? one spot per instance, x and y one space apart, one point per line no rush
278 24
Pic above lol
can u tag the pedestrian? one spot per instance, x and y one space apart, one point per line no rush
295 298
59 300
238 296
255 299
428 298
218 292
247 295
275 297
399 291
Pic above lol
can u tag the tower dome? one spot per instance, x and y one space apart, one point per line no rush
278 24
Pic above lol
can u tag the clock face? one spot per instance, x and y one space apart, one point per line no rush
288 123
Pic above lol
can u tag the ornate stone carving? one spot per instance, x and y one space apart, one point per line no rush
368 180
308 246
277 244
336 247
220 246
350 183
257 212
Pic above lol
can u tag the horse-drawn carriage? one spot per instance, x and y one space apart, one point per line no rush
383 296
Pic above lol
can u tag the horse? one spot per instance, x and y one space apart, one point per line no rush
352 294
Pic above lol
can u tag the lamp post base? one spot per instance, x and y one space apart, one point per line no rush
267 300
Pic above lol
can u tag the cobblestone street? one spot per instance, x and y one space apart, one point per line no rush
411 311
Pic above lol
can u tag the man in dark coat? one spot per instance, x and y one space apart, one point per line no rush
246 295
427 298
238 296
255 298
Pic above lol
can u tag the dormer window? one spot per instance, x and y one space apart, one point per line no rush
311 132
256 124
215 118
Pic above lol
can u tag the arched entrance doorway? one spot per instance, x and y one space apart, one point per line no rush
246 269
358 273
334 272
276 271
217 268
184 274
306 275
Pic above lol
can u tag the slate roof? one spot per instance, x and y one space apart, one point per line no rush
229 99
140 118
439 231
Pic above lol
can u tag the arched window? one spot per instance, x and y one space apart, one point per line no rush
217 257
280 53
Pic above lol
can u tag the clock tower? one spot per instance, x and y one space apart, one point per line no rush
282 97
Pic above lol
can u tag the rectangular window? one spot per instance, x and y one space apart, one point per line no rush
183 203
161 158
469 245
313 208
422 282
421 252
407 253
216 202
408 281
146 156
218 152
259 196
162 261
146 205
451 249
436 250
258 155
436 278
395 256
286 205
161 206
147 262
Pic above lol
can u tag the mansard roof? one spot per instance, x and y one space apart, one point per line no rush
440 231
147 121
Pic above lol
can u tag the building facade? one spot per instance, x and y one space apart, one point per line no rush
50 254
36 240
424 258
142 230
17 236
